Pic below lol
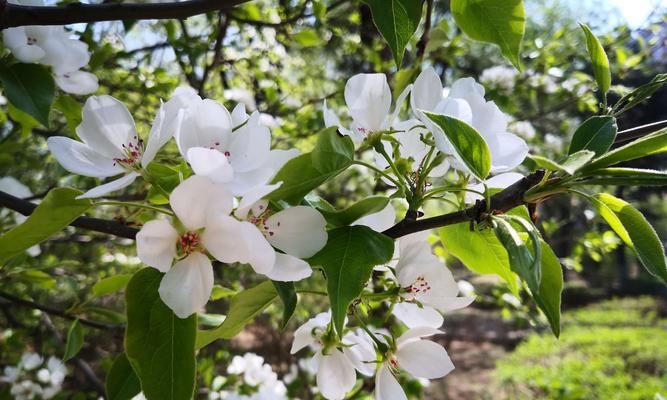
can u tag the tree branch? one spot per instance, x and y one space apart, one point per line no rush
17 15
94 224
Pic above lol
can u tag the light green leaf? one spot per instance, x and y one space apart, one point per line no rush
159 345
599 59
308 38
74 340
397 21
287 294
548 297
333 153
71 110
627 176
363 207
654 143
570 165
521 261
348 259
470 146
58 209
29 87
480 251
501 22
635 231
243 308
596 134
220 292
122 382
110 285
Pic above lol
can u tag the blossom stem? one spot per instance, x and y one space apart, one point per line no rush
393 167
379 171
381 345
132 204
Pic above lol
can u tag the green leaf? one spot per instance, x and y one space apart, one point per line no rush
29 87
71 110
570 165
635 231
551 285
501 22
74 340
220 292
348 259
58 209
470 146
397 21
333 153
521 261
243 308
654 143
122 382
639 94
308 38
599 59
159 345
627 176
480 251
110 285
287 294
596 134
369 205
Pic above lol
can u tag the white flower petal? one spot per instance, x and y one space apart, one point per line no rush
289 269
368 98
303 336
196 197
80 159
299 231
379 221
109 187
245 182
278 158
252 197
426 91
387 387
359 350
206 124
62 52
186 287
415 334
211 164
156 244
77 82
424 359
12 186
182 98
239 115
15 39
413 316
106 126
158 137
335 375
250 145
509 154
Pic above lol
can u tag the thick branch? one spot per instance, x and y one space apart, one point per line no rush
17 15
503 201
94 224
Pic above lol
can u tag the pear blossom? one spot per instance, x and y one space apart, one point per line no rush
427 286
465 101
335 374
110 145
29 381
368 99
15 188
419 358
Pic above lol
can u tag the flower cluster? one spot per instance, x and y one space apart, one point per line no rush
33 378
249 378
52 46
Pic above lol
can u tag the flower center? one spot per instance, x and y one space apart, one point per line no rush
420 286
260 220
189 242
393 362
133 151
31 40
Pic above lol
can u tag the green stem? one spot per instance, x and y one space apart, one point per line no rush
381 345
132 204
400 177
379 171
317 292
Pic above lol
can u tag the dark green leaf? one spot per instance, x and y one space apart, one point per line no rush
551 286
243 308
287 295
397 21
159 345
74 340
501 22
122 382
29 87
639 94
599 59
58 209
110 285
627 176
332 151
357 210
596 134
348 259
521 261
470 146
654 143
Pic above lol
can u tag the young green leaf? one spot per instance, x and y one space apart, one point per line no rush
570 165
501 22
639 94
71 110
596 134
548 297
599 59
397 21
122 383
470 147
627 176
287 294
635 231
521 261
58 209
369 205
74 340
29 87
348 260
654 143
159 345
110 285
243 308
